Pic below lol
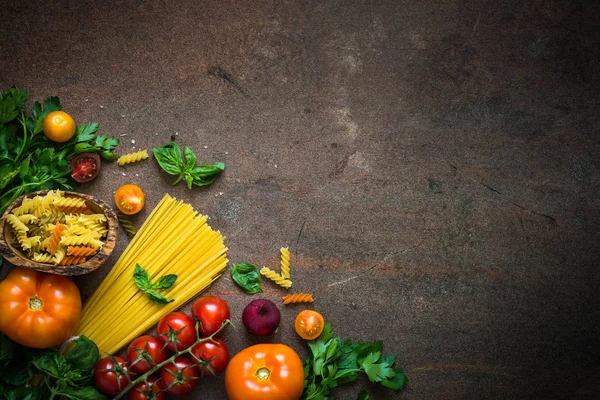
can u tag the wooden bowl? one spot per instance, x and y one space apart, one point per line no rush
11 250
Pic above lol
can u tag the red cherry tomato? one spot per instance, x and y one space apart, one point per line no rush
111 376
151 391
177 328
180 377
216 354
211 311
85 167
144 353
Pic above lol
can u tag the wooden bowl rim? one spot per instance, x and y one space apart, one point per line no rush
15 256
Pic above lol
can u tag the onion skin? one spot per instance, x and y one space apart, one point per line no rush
261 317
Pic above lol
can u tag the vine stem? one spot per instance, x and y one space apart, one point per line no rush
169 360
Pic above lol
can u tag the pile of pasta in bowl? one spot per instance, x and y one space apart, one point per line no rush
57 229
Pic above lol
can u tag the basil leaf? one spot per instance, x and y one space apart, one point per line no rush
247 277
52 364
166 282
142 278
190 157
158 298
84 356
84 393
169 158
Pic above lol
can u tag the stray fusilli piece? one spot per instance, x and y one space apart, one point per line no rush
285 262
298 298
275 277
133 157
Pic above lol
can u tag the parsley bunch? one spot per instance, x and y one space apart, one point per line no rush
334 362
29 161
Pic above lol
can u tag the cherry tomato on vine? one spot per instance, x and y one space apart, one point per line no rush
265 372
309 324
85 167
37 309
183 373
130 199
153 390
211 311
216 354
58 126
178 329
111 376
144 353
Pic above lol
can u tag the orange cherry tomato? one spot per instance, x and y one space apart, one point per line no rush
130 199
309 324
37 309
58 126
265 372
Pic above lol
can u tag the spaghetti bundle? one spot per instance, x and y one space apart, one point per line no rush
174 239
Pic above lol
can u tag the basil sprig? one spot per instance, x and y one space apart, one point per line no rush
247 277
172 161
143 281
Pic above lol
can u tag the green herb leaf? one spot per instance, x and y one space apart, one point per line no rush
169 158
247 277
83 356
158 298
363 395
85 393
166 282
143 281
142 278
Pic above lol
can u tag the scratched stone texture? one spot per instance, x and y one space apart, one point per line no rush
434 166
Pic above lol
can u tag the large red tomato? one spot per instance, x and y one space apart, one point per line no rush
37 309
265 372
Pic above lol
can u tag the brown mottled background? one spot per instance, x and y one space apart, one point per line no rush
433 165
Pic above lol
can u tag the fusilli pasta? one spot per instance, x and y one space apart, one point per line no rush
275 277
285 262
298 298
133 157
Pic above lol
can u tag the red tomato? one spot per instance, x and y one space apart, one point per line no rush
211 311
180 377
85 167
178 329
216 354
144 353
111 378
141 391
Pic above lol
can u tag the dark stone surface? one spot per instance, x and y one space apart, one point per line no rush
433 166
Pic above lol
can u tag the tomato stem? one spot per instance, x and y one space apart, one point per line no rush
263 373
35 303
157 367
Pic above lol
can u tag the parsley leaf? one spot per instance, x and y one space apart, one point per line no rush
172 161
143 281
333 363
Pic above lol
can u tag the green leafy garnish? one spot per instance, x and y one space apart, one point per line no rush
172 161
29 161
143 281
247 277
334 362
68 376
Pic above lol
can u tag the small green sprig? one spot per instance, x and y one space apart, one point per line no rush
171 160
143 280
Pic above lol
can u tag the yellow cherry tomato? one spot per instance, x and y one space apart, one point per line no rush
309 324
130 199
59 126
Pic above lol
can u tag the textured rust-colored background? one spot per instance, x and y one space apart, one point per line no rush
433 165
